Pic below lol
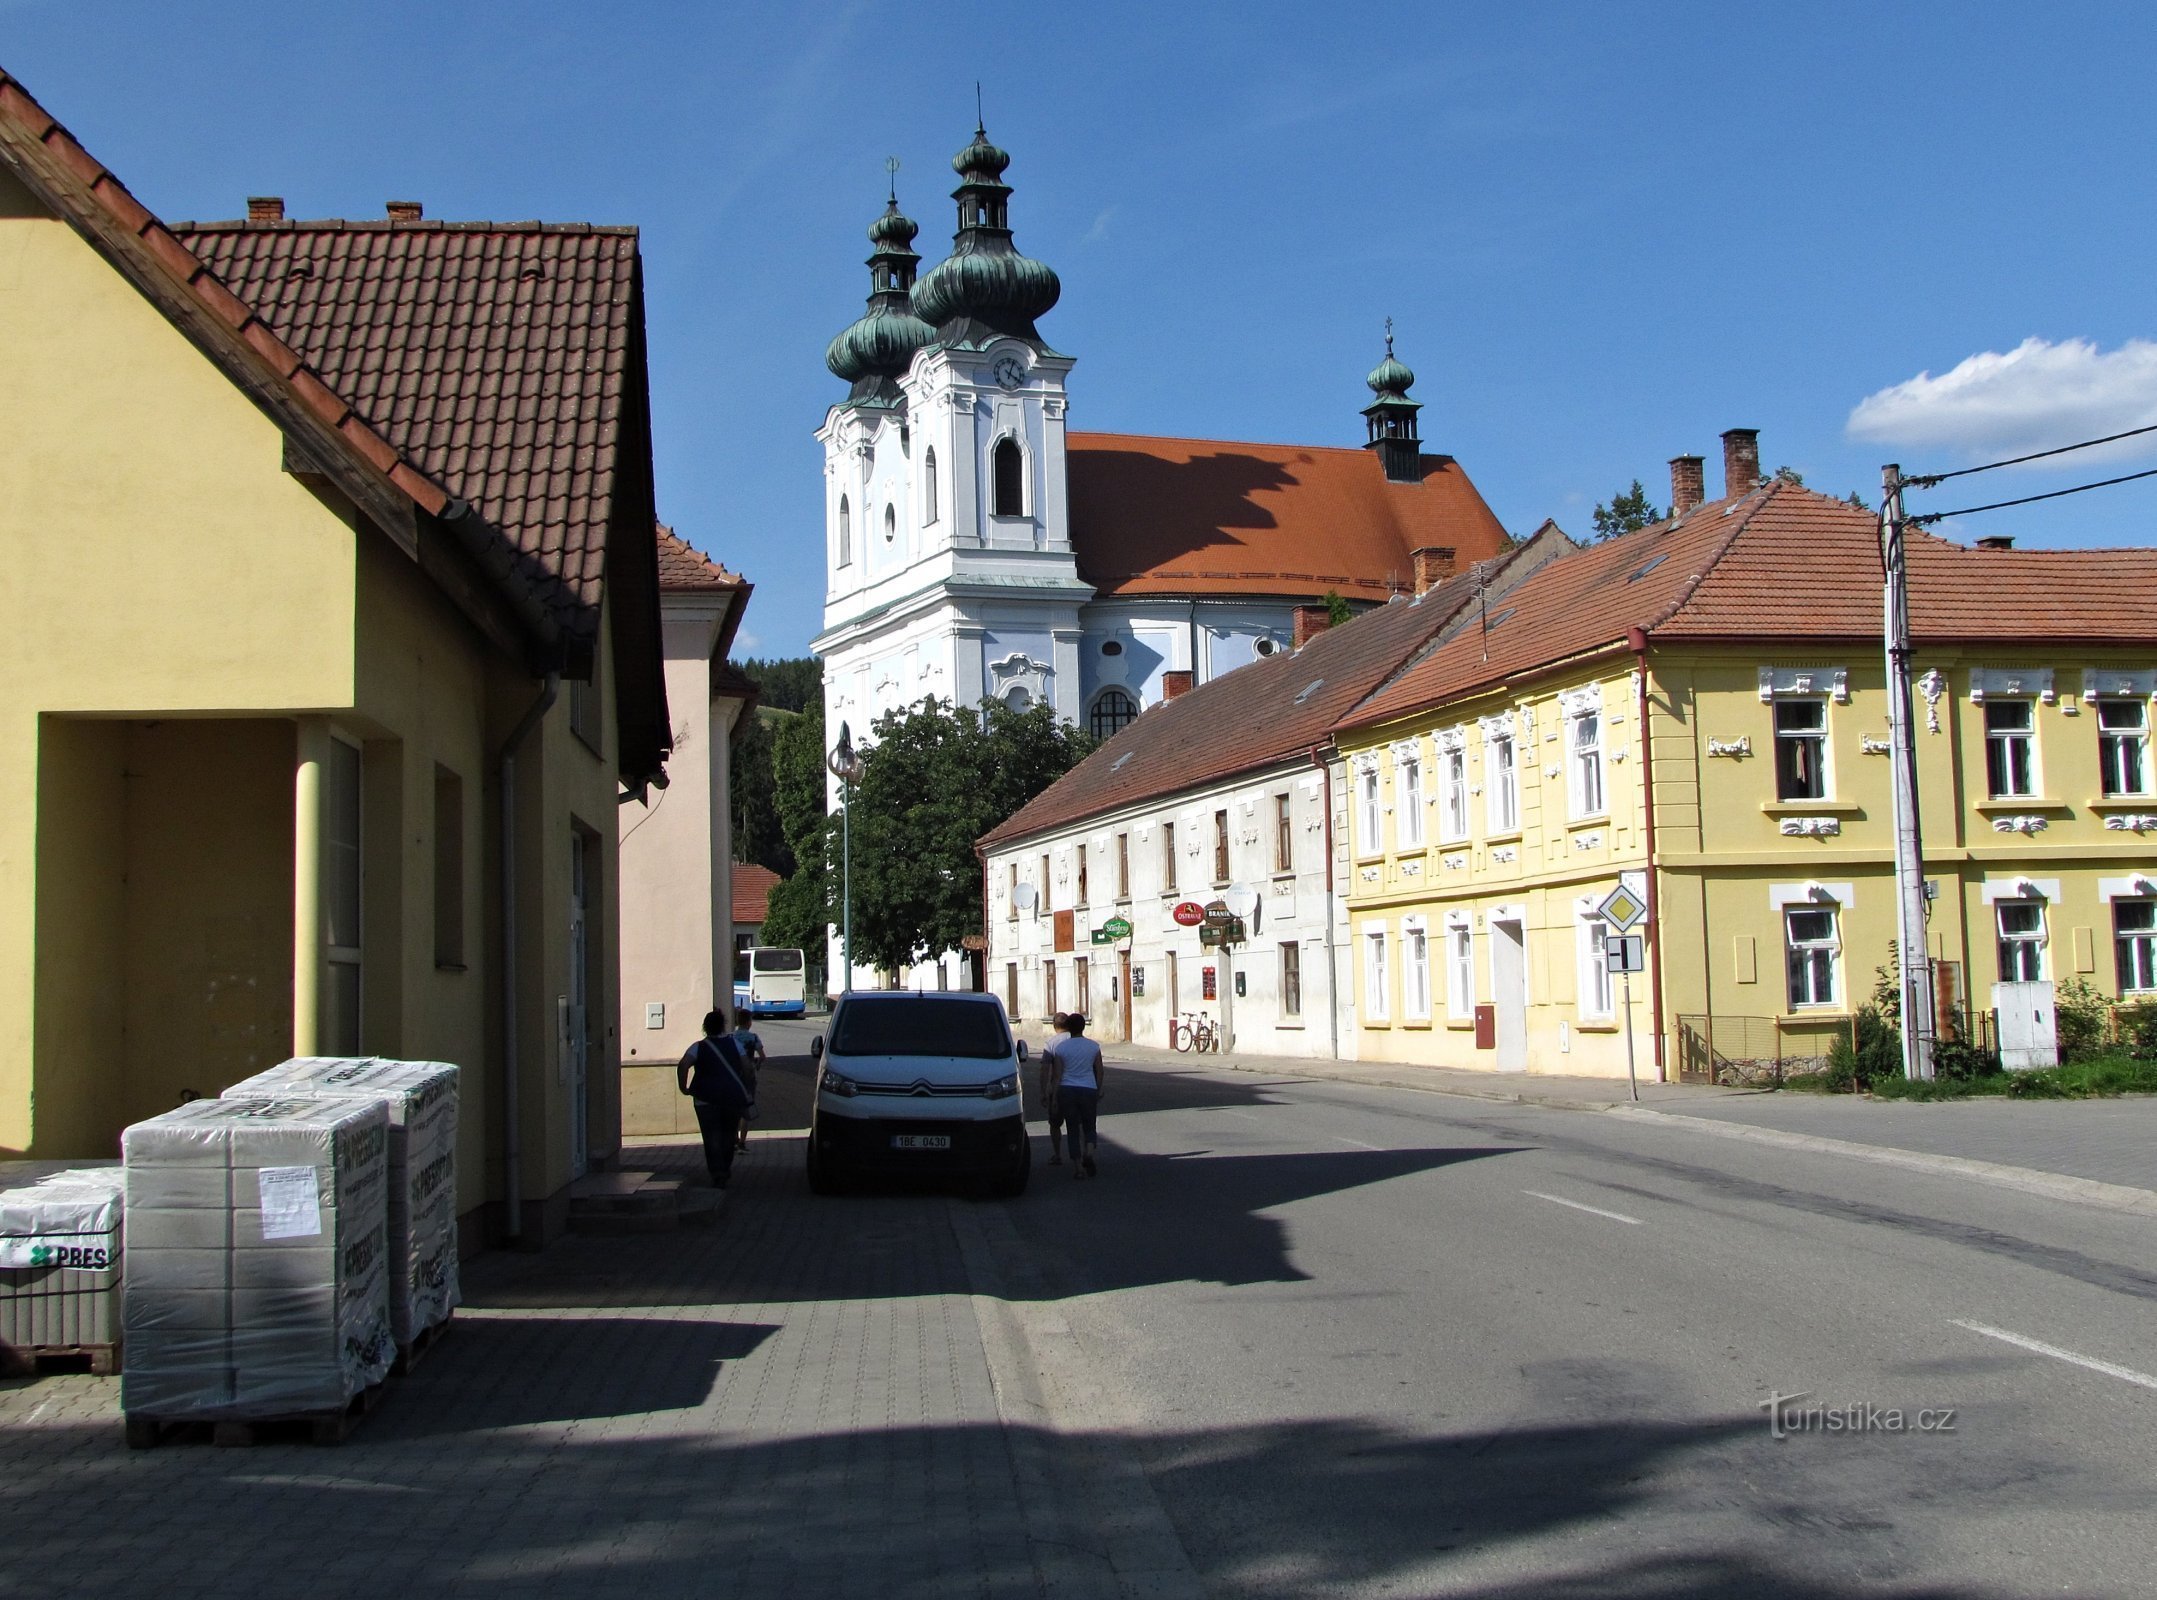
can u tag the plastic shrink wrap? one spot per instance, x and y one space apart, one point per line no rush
257 1263
60 1240
422 1101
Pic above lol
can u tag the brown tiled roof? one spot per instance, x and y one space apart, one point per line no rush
752 892
1780 563
497 358
1152 516
1273 710
729 682
683 568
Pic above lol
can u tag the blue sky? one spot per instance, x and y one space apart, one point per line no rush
1606 232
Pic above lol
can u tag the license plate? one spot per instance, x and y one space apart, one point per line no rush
921 1141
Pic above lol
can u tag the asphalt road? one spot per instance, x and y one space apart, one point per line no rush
1370 1341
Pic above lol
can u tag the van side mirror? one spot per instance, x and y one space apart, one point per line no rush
1022 1049
816 1048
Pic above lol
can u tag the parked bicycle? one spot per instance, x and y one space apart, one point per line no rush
1196 1031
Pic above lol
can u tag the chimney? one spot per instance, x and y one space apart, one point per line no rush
1997 541
1309 622
265 208
1688 484
1741 460
1174 684
405 211
1433 561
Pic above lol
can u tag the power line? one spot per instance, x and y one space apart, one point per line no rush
1931 517
1927 480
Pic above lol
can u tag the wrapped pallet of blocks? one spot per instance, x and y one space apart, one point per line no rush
422 1100
60 1269
257 1263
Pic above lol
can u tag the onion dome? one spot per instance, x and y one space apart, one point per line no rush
1392 417
985 289
1391 378
875 352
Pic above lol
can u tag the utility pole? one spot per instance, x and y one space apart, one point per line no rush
1913 950
845 765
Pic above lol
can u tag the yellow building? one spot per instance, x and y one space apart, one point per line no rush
1501 786
329 547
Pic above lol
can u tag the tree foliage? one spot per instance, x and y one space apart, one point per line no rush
758 837
1338 610
1628 512
789 683
935 779
801 905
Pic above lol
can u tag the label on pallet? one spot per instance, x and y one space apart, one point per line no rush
291 1203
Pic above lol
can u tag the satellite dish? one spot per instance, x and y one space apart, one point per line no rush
1242 900
1023 897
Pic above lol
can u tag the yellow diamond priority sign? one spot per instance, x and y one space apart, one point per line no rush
1623 909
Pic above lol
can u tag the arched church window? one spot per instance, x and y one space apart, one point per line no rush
891 524
1113 711
1009 469
1018 699
846 532
928 486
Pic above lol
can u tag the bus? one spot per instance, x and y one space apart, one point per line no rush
768 982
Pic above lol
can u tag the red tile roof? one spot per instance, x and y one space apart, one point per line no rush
752 892
684 569
1153 516
1260 715
1780 563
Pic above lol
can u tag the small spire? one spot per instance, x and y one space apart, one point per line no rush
1389 336
981 123
891 166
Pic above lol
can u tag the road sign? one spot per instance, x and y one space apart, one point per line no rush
1103 936
1116 928
1188 912
1623 910
1627 952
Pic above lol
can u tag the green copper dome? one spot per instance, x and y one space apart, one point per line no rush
875 352
894 229
1390 376
985 288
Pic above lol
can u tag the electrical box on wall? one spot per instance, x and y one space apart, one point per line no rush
655 1014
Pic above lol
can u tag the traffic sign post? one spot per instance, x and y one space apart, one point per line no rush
1625 954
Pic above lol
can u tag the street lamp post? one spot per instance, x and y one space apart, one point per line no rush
845 765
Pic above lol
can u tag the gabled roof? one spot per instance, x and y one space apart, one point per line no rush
1780 563
1155 516
752 892
1274 710
684 569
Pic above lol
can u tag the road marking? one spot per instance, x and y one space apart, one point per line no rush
1598 1211
2126 1374
1342 1138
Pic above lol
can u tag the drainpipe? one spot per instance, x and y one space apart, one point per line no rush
512 1111
1333 1001
313 751
1637 640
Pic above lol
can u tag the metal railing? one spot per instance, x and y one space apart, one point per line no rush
1753 1052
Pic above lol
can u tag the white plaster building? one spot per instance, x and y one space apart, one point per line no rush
977 548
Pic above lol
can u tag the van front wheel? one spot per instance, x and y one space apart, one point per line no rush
822 1179
1013 1183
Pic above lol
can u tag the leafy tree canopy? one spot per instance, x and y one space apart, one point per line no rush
1628 512
791 683
801 905
758 837
1338 610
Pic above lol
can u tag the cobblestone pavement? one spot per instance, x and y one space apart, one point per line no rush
798 1402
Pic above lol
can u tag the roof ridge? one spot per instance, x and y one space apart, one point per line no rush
1250 444
390 225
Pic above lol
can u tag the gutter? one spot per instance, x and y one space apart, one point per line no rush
1637 640
512 1109
1333 977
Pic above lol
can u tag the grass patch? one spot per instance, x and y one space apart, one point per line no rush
2078 1080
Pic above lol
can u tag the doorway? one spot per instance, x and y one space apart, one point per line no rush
1081 986
1170 1041
1509 992
1048 989
1123 995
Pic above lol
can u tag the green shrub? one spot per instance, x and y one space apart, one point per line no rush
1960 1061
1871 1053
2138 1030
2080 1015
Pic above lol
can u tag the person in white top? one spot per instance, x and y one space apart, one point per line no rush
1078 1091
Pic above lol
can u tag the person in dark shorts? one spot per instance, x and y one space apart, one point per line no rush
1046 1082
1078 1091
711 1074
752 1062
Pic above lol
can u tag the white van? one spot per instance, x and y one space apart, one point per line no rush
918 1083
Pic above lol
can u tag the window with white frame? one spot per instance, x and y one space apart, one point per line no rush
928 486
1593 943
1415 971
1291 979
2123 746
2011 748
2022 940
1584 761
1374 974
1813 952
1501 782
846 532
1801 749
2134 932
1453 793
1369 839
1408 798
1459 971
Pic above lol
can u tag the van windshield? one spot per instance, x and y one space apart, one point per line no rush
926 1026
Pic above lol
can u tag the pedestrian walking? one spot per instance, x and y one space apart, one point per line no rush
1079 1078
752 1063
710 1074
1047 1081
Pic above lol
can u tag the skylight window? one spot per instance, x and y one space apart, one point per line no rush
1117 764
1309 689
1642 571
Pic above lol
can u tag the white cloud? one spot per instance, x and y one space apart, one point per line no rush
2034 397
1099 230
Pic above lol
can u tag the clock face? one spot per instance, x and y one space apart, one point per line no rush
1010 371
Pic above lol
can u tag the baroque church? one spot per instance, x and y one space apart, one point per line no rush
976 546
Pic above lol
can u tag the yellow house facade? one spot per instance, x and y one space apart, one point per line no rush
314 740
1698 711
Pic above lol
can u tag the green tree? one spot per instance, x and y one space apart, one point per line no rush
758 836
791 683
1338 610
935 779
801 904
1627 513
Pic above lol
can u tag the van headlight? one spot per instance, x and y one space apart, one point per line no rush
1002 1088
838 1083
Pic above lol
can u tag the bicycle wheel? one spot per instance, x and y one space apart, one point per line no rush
1181 1038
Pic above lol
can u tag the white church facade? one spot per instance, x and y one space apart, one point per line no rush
977 548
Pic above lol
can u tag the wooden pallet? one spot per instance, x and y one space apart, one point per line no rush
36 1360
320 1427
409 1356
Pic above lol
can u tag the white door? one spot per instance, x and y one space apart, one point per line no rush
1509 994
573 1043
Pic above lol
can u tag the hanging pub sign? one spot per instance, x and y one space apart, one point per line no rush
1189 913
1117 928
